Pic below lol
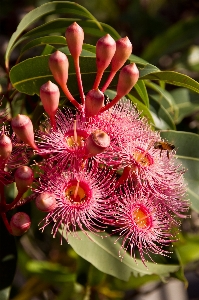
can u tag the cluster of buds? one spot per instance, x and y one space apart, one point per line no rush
14 157
103 166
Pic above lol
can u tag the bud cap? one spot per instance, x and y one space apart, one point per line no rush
49 94
23 178
74 38
22 126
46 202
5 146
58 64
20 223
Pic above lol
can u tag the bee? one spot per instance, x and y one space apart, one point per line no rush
164 146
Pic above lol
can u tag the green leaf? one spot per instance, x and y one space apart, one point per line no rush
103 254
161 117
186 103
164 97
56 7
60 25
187 145
142 92
50 272
140 61
42 41
174 78
187 248
146 70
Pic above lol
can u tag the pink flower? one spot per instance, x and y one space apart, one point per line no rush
141 224
65 143
81 199
157 174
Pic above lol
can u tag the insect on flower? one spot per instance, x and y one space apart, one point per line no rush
164 146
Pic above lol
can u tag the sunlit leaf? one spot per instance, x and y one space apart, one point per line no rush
142 92
103 254
55 7
161 117
186 103
174 78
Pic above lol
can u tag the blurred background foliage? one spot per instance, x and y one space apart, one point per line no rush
165 33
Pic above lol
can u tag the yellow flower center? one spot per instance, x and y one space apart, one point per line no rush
142 158
141 218
75 193
75 142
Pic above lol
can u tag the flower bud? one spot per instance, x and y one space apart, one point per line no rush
127 79
97 142
58 64
46 202
22 126
74 38
23 178
122 53
49 94
20 223
5 146
105 49
94 102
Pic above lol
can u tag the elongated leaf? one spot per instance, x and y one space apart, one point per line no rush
146 70
53 40
174 78
142 92
187 145
60 25
103 254
188 248
186 103
55 7
165 98
162 118
50 272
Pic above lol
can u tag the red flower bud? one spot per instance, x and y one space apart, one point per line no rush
23 178
105 49
94 102
127 79
122 53
58 64
20 223
22 126
97 142
5 146
46 202
49 94
74 38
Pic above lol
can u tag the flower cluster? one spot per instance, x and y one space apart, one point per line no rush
102 164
